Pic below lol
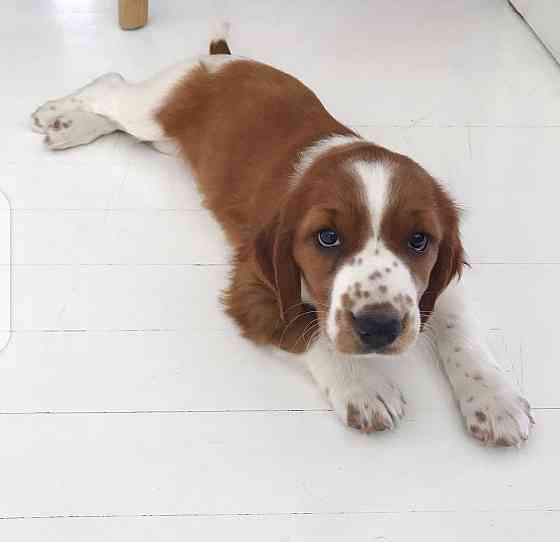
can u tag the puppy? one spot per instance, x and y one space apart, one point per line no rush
345 250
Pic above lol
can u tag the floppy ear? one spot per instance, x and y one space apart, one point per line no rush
449 263
274 257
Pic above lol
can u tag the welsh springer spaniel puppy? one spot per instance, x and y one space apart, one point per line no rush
344 249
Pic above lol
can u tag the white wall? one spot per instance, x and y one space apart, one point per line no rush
544 17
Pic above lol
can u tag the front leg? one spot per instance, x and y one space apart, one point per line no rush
494 410
361 397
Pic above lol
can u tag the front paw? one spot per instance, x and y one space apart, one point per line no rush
371 404
498 417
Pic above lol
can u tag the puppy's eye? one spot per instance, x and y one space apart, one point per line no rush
328 238
419 242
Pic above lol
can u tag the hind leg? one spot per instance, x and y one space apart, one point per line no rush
109 104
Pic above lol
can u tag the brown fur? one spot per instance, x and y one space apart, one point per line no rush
219 47
241 129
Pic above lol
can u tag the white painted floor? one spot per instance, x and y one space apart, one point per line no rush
130 410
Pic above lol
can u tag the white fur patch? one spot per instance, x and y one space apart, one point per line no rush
375 177
312 153
221 31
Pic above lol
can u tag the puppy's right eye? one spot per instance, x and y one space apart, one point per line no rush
419 242
328 238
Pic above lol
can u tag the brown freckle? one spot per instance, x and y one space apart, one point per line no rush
366 294
382 289
470 399
457 364
52 108
67 124
408 299
353 416
359 294
387 270
477 377
467 375
457 349
377 252
450 326
352 261
480 416
395 264
502 441
500 418
375 275
56 125
474 428
357 285
347 302
360 261
398 298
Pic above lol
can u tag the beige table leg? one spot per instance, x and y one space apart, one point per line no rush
133 14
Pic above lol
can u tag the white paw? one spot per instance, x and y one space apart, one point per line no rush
79 102
498 417
370 404
76 128
47 114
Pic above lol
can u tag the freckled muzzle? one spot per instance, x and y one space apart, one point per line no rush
373 308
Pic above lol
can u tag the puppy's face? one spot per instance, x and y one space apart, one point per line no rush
375 240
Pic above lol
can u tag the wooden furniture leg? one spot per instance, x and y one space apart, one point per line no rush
133 14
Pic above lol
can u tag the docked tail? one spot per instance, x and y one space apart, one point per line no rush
219 45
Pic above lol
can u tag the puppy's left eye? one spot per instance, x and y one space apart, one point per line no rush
328 238
419 242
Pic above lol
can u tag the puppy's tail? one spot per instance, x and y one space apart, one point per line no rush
219 45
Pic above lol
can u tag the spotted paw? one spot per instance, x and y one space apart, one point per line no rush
50 113
76 128
375 404
497 417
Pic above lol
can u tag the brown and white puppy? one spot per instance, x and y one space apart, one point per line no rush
342 247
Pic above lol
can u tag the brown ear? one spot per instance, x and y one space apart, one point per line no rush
274 257
449 263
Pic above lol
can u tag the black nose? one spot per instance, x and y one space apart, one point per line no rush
378 327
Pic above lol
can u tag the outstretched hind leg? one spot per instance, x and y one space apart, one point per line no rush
108 104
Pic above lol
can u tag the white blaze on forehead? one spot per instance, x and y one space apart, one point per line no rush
376 177
307 157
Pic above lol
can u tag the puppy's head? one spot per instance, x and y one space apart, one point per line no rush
375 240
